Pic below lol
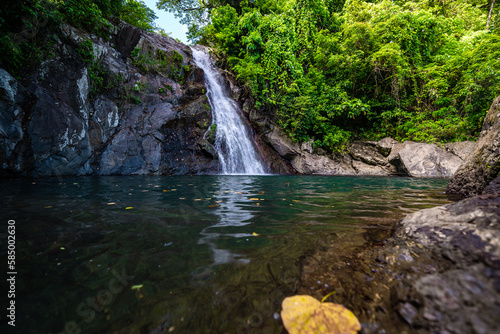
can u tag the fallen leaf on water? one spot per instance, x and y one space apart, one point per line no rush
255 234
254 199
306 315
137 287
213 205
197 199
111 203
48 207
165 191
129 207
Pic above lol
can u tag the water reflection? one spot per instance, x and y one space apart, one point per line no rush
232 212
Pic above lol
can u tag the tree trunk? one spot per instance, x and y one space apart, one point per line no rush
489 15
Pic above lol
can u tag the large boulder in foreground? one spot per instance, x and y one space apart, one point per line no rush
452 279
483 164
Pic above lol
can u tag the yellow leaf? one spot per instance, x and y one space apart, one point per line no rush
137 287
255 234
306 315
254 199
129 207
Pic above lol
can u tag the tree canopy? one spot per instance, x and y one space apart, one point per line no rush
27 27
332 71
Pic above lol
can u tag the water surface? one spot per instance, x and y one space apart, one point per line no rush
200 254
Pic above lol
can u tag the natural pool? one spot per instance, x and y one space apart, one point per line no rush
192 254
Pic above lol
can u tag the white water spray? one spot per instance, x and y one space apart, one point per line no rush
237 153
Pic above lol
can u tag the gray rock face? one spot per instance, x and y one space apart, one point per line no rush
456 290
461 149
385 146
300 158
424 160
483 163
383 158
11 117
141 120
367 159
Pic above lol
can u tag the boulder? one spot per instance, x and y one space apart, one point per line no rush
461 149
282 144
385 146
453 250
424 160
367 160
483 163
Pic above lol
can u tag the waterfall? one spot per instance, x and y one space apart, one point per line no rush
236 151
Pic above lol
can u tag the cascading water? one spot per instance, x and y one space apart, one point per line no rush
236 151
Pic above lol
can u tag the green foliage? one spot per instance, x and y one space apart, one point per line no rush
330 71
135 100
27 34
137 13
28 28
101 79
160 62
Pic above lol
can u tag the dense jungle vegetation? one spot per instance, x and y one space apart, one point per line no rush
333 70
28 27
329 71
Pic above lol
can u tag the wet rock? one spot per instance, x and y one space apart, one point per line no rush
483 163
462 240
424 160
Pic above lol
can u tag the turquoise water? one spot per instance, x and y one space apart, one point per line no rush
200 254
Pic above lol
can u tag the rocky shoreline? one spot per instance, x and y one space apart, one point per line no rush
439 271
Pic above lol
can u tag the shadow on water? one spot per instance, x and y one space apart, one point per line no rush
202 254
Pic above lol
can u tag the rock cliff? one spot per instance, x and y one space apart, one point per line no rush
134 104
482 165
